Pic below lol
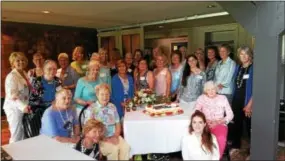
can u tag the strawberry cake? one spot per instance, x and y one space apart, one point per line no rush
164 109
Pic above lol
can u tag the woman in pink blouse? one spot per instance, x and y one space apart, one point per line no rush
218 113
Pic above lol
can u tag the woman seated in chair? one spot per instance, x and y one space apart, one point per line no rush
113 145
199 143
59 121
218 113
93 133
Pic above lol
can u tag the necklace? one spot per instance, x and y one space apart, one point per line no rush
239 81
67 123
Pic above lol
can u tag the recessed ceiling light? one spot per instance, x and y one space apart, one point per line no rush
46 12
211 6
160 27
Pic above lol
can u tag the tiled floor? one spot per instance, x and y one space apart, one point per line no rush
240 155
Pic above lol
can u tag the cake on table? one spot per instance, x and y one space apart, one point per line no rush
164 109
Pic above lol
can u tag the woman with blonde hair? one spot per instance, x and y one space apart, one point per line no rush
218 113
59 120
92 134
66 74
105 72
84 92
17 89
79 64
162 77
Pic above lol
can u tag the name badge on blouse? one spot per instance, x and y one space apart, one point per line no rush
163 73
142 78
199 77
246 76
130 70
102 74
58 88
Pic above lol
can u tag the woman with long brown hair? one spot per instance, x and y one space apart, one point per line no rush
199 143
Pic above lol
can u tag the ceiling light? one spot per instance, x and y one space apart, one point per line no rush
160 27
211 6
46 12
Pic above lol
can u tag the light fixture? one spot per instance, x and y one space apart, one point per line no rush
160 26
211 6
46 12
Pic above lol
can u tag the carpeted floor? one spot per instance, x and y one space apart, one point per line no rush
239 155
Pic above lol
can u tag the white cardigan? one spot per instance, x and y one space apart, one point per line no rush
191 149
16 91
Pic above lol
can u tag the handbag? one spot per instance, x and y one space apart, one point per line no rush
32 123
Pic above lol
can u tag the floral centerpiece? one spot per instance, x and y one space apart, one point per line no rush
142 97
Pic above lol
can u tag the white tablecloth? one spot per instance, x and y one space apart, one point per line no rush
146 134
43 148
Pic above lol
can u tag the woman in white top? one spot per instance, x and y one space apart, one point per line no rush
199 143
162 77
17 89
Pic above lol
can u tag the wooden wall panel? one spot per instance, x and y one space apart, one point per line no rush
135 42
127 46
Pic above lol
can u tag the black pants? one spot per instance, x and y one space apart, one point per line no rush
236 128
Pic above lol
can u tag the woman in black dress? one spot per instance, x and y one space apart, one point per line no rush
242 97
92 134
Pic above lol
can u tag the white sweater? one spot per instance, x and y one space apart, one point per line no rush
191 149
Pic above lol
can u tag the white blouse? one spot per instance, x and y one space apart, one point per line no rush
17 91
192 150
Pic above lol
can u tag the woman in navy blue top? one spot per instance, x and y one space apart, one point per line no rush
122 87
45 87
242 97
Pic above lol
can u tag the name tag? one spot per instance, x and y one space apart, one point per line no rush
58 88
65 75
163 73
199 77
142 78
130 70
246 76
102 74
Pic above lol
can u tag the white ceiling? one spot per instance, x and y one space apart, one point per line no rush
101 14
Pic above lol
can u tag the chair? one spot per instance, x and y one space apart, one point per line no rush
32 123
82 117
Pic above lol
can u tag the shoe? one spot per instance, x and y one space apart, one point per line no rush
233 151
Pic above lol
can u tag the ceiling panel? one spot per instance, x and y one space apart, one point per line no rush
101 14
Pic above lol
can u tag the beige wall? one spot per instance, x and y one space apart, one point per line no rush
195 35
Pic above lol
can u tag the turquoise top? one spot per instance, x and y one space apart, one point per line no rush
176 78
85 90
105 75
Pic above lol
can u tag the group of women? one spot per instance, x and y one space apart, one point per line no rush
106 81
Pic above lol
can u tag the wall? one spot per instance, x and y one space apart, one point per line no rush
48 39
196 35
118 34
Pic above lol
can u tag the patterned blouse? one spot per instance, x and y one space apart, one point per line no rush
210 71
215 108
194 87
36 99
